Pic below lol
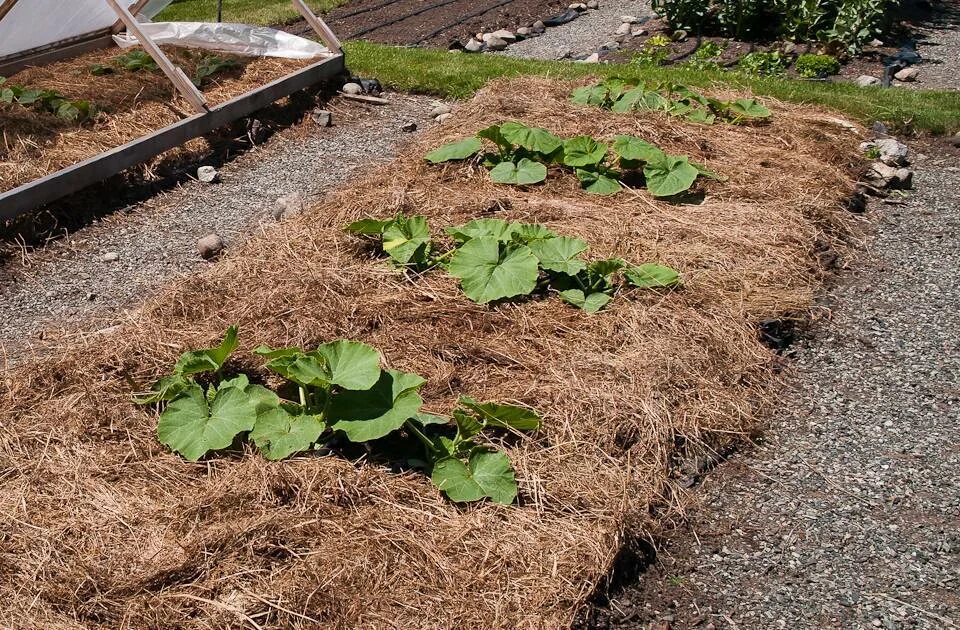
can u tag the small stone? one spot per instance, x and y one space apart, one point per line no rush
624 28
441 108
209 246
892 151
630 19
593 4
207 174
474 45
110 257
564 52
578 6
351 88
679 35
524 31
495 43
287 206
788 48
907 74
637 32
875 43
442 118
408 127
879 128
539 26
503 34
865 80
594 58
902 179
322 118
880 174
611 45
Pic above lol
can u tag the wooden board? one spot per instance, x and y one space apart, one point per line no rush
69 180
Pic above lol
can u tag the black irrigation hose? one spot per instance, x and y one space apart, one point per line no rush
462 20
366 10
431 7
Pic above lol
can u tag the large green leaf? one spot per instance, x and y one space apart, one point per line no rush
606 267
489 474
492 133
281 432
560 254
651 275
598 182
482 228
374 413
702 116
351 364
501 415
529 232
583 151
628 100
670 176
452 151
590 95
489 270
194 423
591 303
368 227
521 173
748 108
167 388
210 360
636 149
406 240
530 138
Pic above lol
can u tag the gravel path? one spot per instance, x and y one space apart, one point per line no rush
939 44
582 36
69 282
848 516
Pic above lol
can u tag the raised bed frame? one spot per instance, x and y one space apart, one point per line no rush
32 195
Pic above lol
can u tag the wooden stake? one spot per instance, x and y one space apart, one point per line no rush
326 35
180 81
5 7
135 9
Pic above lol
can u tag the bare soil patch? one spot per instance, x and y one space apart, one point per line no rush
103 527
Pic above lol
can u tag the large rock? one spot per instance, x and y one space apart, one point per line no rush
473 45
539 26
322 117
594 58
207 174
495 43
352 88
503 34
882 175
865 80
892 152
210 246
624 28
907 74
439 110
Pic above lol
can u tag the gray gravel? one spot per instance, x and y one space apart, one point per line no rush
939 45
68 283
582 36
848 516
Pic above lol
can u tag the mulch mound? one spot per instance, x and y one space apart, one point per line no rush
105 528
131 104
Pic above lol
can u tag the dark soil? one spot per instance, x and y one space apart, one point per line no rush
437 23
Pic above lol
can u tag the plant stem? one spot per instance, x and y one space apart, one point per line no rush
423 438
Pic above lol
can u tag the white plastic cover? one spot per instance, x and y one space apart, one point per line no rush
34 23
239 39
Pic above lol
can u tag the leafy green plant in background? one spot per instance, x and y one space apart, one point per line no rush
812 66
496 259
673 99
210 66
654 52
706 55
135 61
49 101
523 155
342 394
762 64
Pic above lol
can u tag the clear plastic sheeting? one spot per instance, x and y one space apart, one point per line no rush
238 39
34 23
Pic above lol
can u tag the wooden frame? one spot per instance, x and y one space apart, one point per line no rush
31 196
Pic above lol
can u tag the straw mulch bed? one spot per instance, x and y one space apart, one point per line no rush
132 104
104 528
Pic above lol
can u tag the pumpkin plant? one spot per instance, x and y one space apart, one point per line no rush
342 393
496 260
49 101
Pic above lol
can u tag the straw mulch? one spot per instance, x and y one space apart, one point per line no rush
132 104
102 527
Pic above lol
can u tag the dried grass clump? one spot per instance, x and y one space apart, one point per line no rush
104 528
132 104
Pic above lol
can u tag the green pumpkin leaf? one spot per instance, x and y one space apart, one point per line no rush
368 227
670 176
628 100
210 360
590 303
425 419
167 388
280 432
615 88
636 149
460 150
491 271
701 116
372 414
351 364
452 477
521 173
651 275
530 138
196 423
502 416
489 474
748 108
583 151
529 232
597 182
590 95
492 133
467 425
407 240
484 228
560 254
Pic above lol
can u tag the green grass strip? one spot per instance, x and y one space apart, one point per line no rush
243 11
